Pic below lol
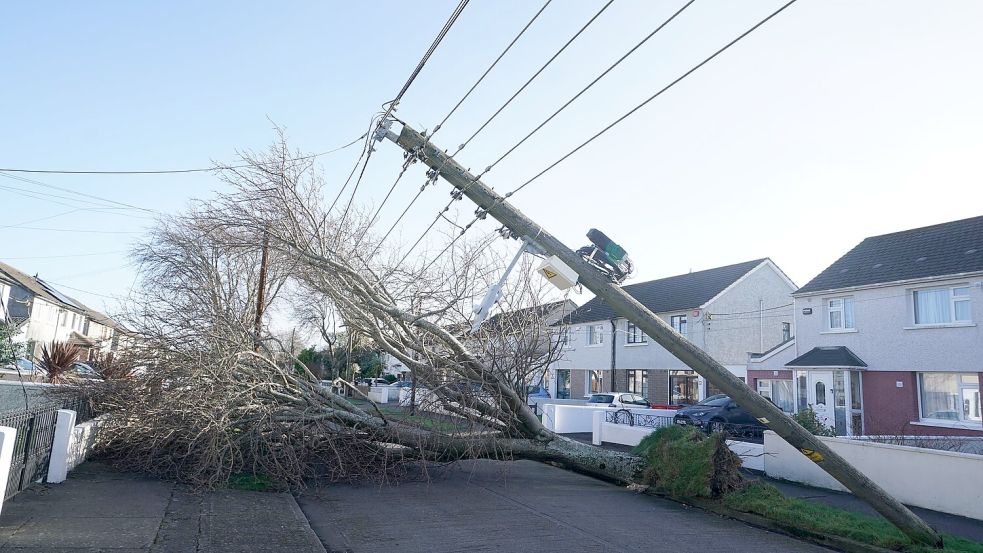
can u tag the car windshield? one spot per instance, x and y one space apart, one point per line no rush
532 389
718 400
601 398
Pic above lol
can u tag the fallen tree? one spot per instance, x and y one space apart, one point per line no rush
209 406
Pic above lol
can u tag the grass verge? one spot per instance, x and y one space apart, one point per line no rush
767 501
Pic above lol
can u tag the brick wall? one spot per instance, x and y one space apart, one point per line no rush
890 410
658 386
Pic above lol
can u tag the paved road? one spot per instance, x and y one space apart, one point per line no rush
100 510
520 507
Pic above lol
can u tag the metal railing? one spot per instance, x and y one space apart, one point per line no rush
32 448
739 432
624 416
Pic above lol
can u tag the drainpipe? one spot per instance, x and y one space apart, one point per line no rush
614 353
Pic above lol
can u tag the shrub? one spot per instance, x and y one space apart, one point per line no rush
57 359
390 378
808 419
685 462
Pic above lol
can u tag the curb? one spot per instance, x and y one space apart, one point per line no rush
832 542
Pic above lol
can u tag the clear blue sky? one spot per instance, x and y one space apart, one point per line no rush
835 121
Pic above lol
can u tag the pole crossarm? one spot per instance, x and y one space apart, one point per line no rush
628 307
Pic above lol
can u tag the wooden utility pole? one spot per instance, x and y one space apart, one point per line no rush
261 293
628 307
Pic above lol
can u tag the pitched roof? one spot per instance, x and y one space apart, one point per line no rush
937 250
676 293
35 286
522 316
829 356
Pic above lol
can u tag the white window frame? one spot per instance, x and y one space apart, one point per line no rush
679 323
845 303
953 300
960 386
595 335
634 335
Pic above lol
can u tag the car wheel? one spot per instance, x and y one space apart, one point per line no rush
717 426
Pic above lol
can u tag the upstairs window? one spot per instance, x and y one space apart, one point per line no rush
839 313
635 335
786 332
942 305
595 335
678 323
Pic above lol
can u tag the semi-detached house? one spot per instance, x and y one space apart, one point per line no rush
727 311
887 339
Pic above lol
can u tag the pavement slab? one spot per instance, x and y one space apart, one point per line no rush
521 507
99 510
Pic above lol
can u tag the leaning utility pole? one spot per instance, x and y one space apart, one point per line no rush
626 306
261 293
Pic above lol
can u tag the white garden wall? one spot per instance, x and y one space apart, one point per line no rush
938 480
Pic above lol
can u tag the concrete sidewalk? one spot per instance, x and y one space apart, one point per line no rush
521 507
97 509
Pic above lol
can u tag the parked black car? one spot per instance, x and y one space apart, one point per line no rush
719 413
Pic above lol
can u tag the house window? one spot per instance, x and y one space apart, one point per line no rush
786 332
684 387
941 305
563 384
638 382
820 393
594 382
779 392
595 335
678 323
949 396
839 313
63 319
635 335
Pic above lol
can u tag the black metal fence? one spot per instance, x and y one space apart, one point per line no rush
624 416
32 447
739 432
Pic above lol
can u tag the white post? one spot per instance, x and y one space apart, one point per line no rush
58 466
598 419
8 437
549 416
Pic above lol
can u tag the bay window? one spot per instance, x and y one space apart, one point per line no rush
941 305
950 396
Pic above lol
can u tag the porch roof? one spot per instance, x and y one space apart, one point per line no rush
829 356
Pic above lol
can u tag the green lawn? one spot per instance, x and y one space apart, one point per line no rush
765 500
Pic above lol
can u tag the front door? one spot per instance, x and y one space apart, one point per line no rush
820 393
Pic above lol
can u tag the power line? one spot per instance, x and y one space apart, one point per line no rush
161 171
448 116
68 255
419 66
77 230
650 98
79 289
536 74
588 87
77 193
490 67
454 194
399 96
